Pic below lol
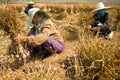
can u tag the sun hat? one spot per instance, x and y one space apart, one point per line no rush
31 14
31 2
100 6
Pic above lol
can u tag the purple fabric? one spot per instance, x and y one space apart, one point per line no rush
57 46
31 33
50 42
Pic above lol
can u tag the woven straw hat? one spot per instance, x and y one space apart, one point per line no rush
100 6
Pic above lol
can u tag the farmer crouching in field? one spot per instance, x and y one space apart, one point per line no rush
102 22
43 37
30 5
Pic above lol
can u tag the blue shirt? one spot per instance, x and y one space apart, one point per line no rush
27 9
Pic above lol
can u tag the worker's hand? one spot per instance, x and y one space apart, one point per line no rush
19 39
99 24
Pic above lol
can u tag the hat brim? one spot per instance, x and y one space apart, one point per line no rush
31 18
31 3
44 14
29 22
101 9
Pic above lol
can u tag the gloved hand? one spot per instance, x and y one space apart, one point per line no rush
99 24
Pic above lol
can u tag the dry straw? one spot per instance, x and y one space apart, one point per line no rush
10 22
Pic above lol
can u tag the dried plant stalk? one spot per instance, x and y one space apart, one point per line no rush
10 22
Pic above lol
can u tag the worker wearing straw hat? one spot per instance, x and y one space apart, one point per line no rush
102 21
44 37
30 5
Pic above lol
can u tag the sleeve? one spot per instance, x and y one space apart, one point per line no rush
38 39
95 21
107 21
26 10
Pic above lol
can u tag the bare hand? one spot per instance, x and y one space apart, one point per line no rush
19 39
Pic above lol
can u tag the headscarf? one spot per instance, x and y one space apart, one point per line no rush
39 26
101 12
